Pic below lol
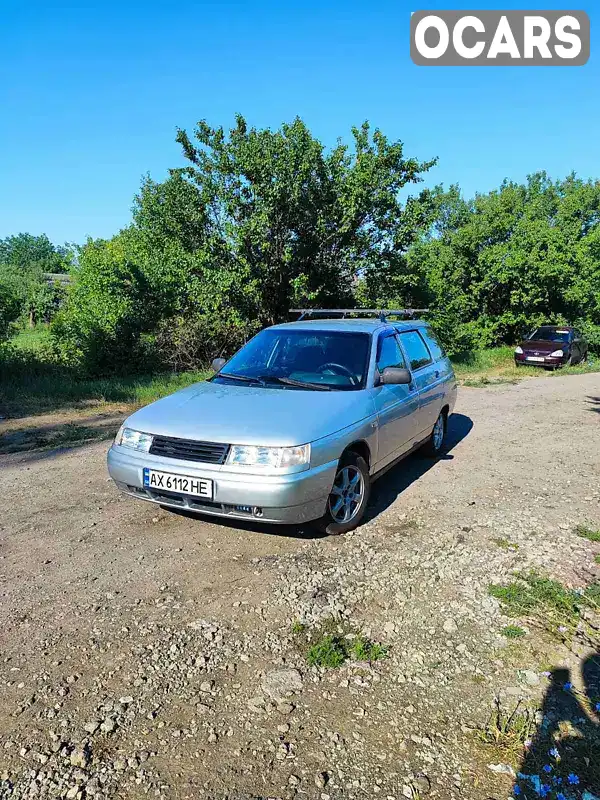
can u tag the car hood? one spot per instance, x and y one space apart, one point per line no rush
214 412
543 346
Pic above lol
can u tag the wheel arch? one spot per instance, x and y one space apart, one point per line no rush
361 448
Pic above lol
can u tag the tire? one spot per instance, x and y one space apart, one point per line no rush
435 444
352 468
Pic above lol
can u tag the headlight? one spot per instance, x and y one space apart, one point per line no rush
557 353
254 456
127 437
518 349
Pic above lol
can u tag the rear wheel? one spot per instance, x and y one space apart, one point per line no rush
434 445
347 501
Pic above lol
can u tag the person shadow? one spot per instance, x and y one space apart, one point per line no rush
562 762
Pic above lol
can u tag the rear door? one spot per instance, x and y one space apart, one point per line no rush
397 406
426 377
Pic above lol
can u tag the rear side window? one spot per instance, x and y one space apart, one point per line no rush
435 348
389 353
415 349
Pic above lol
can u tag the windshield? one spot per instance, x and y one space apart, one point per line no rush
293 359
550 335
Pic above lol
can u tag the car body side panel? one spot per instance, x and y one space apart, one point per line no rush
437 381
331 447
397 411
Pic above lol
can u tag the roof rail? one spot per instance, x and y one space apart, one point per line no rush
382 313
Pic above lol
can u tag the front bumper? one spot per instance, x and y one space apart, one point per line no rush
291 498
547 361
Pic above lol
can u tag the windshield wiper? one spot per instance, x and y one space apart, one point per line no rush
322 387
235 377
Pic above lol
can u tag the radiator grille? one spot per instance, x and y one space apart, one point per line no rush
189 450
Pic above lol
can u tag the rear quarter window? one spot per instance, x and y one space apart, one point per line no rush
435 348
416 349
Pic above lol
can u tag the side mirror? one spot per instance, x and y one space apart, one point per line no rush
218 364
394 376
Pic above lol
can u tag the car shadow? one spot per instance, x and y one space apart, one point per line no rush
385 490
562 760
390 486
594 404
34 442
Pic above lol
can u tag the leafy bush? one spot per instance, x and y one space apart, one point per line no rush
10 308
110 307
183 342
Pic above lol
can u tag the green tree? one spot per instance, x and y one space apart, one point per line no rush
10 308
294 223
258 221
25 262
25 250
494 267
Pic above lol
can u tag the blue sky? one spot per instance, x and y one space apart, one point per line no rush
91 94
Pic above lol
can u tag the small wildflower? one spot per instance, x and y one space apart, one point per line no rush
573 779
517 791
547 768
561 796
545 790
554 753
562 629
527 744
597 706
568 686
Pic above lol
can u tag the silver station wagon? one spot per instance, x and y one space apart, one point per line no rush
296 425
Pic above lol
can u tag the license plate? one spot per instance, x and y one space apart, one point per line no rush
535 358
185 484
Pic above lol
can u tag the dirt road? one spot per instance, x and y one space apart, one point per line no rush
149 653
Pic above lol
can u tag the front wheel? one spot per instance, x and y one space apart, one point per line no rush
433 446
347 501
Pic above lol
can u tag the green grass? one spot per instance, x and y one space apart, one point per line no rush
298 628
30 383
597 559
587 533
496 365
509 730
32 340
331 650
558 609
332 644
513 632
37 394
505 544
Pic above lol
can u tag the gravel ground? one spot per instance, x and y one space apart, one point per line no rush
149 654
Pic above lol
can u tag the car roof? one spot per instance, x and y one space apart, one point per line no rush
347 325
556 327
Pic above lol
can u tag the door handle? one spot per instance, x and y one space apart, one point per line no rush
437 373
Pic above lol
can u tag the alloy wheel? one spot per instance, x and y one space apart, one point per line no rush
346 494
438 432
